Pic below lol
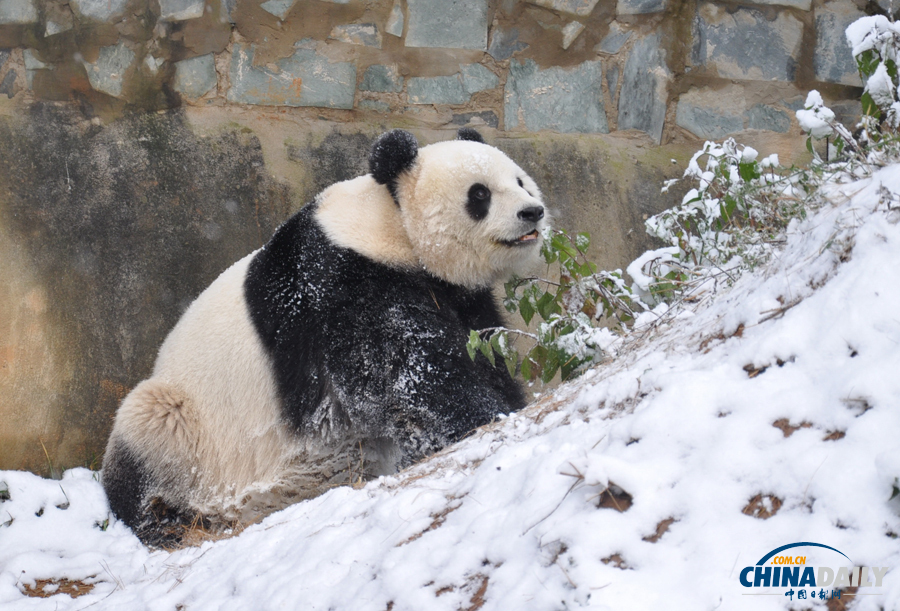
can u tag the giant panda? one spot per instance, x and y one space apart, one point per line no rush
335 351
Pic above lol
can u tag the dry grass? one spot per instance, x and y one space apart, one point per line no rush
72 588
757 508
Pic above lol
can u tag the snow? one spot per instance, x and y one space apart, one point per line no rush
680 423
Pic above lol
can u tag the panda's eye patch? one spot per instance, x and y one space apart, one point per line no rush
521 184
479 201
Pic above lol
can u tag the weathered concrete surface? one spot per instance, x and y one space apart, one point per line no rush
558 99
106 235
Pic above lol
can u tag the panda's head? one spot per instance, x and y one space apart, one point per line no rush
471 214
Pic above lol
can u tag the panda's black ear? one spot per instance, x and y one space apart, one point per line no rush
467 133
392 154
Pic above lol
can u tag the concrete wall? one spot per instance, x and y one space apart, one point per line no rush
147 144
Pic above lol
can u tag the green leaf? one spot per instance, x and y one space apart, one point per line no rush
748 170
488 352
582 241
473 343
512 360
546 306
551 365
526 369
869 107
526 310
867 62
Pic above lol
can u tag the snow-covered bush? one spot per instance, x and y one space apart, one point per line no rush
731 220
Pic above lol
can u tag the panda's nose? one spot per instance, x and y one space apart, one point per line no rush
532 214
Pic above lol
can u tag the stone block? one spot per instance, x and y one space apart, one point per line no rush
645 78
476 77
889 6
833 61
18 12
4 57
711 114
303 79
180 10
763 116
804 5
570 32
99 10
363 34
196 77
504 43
486 118
57 27
558 99
614 39
581 8
747 45
394 25
639 7
8 85
452 24
107 74
437 90
382 79
279 8
376 105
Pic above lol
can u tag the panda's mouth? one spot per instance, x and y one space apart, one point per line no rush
524 240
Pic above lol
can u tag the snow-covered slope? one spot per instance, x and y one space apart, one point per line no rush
770 417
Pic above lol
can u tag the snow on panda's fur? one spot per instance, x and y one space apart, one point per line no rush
338 349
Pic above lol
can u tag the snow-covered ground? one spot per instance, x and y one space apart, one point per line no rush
769 417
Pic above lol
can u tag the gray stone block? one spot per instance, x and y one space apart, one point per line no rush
614 39
453 24
747 45
800 4
504 43
890 6
833 60
559 99
436 90
279 8
486 118
476 77
394 25
570 32
639 7
107 74
99 10
376 105
8 86
57 27
303 79
4 57
575 7
18 12
642 100
763 116
180 10
196 77
382 79
363 34
711 114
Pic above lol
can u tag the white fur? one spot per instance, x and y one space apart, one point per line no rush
361 215
446 240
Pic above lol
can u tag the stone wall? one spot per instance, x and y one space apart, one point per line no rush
147 144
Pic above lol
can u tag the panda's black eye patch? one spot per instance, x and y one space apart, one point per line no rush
479 201
521 184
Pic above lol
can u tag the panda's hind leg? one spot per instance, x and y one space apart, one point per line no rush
147 471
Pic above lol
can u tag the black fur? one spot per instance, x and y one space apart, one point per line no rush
467 133
392 154
128 484
479 201
365 347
